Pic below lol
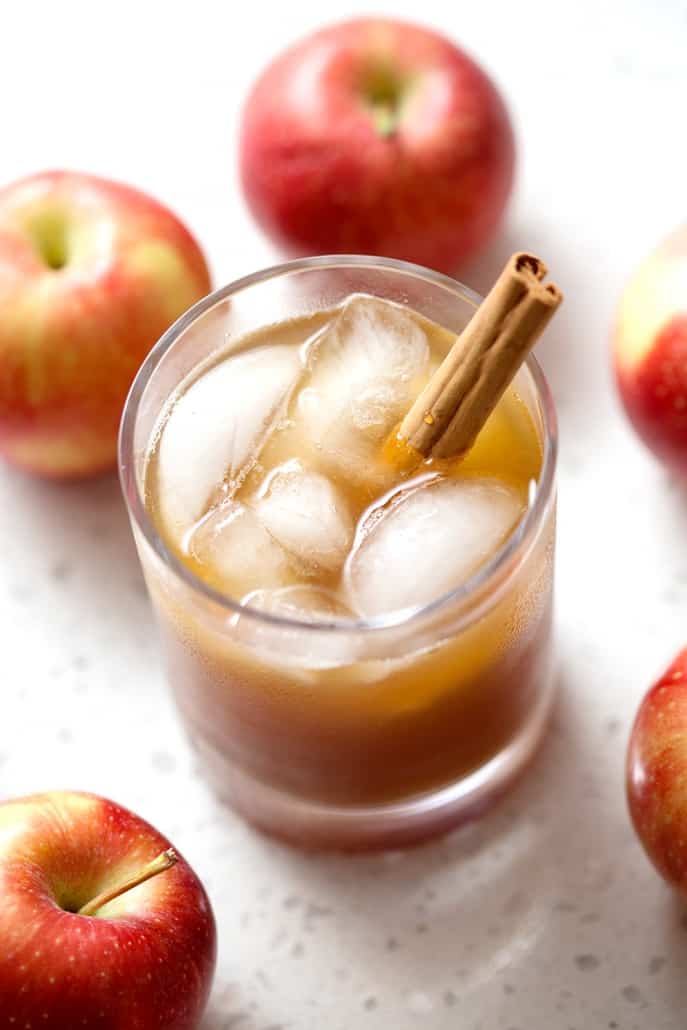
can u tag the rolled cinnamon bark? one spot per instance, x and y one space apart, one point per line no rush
454 405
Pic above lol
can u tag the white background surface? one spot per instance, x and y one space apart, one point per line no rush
546 915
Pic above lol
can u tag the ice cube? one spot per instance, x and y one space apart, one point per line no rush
428 542
237 551
303 652
300 602
307 515
217 427
367 367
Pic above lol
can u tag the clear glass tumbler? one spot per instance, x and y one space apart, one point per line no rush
368 733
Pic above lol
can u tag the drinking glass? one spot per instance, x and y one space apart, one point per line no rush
339 733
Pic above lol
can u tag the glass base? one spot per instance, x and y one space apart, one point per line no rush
311 825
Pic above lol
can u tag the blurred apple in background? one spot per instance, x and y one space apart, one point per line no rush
92 273
377 137
657 773
144 960
650 351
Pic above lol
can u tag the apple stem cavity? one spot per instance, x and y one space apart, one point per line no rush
163 862
384 91
385 118
51 237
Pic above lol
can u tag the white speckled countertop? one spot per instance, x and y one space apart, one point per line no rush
545 915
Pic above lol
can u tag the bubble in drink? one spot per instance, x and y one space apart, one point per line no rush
428 542
217 426
367 367
232 542
307 515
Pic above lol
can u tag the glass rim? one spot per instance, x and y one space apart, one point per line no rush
516 545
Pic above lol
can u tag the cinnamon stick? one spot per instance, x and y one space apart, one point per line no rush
454 405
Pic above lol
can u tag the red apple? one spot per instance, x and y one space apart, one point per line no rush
650 351
657 773
143 960
377 137
91 274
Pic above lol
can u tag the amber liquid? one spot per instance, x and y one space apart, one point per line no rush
378 730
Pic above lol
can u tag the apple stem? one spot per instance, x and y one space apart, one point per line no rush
164 861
